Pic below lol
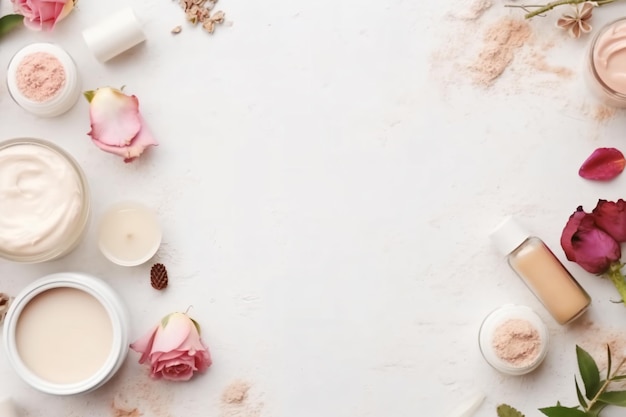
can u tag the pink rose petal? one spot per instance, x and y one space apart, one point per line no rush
603 164
115 119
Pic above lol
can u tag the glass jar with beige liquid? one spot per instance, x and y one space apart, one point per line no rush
541 271
44 201
606 64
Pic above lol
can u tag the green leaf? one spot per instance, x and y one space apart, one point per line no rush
505 410
608 361
581 398
595 409
588 371
89 95
613 398
560 411
10 22
165 320
618 377
195 323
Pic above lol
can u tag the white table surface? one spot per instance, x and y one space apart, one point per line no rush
326 180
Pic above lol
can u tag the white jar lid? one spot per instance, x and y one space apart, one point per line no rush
114 35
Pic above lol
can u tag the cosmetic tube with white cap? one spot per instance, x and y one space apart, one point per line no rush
7 408
541 271
114 35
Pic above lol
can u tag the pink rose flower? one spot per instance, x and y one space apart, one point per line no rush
587 244
42 14
174 349
116 124
610 216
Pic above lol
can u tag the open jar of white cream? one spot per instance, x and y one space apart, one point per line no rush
606 63
44 201
66 333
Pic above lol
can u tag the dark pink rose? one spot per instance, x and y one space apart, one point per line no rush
42 14
174 349
611 217
587 244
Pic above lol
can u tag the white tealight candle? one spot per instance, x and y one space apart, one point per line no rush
129 234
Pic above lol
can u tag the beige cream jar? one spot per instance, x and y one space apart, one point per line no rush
606 64
66 333
44 201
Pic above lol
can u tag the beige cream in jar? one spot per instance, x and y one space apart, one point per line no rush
606 66
44 201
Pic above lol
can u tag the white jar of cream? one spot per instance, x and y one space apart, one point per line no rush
43 79
606 64
66 333
44 201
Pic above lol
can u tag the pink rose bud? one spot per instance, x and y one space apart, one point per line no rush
611 217
116 124
585 243
42 14
174 349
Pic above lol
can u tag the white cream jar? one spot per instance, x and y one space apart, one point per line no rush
66 333
44 201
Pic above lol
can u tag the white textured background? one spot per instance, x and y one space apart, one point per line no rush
326 177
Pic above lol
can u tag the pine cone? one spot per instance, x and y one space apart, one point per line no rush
158 276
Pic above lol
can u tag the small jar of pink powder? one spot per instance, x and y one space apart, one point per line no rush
513 339
43 79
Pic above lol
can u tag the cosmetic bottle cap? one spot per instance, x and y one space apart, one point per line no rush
114 35
508 235
7 408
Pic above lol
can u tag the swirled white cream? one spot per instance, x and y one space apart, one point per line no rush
40 199
609 57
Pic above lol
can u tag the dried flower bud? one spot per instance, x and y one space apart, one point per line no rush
5 302
158 276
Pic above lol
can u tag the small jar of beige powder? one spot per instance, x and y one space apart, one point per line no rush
43 79
513 339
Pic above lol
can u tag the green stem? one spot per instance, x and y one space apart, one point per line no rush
604 386
617 278
552 5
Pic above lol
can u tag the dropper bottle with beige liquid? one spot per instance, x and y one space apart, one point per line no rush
541 271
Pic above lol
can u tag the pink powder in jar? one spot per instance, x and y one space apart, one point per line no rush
40 76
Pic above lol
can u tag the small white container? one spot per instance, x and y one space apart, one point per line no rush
88 287
497 318
114 35
65 97
129 233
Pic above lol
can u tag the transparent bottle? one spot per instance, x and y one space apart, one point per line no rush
541 271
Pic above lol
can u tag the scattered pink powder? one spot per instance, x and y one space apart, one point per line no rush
40 76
